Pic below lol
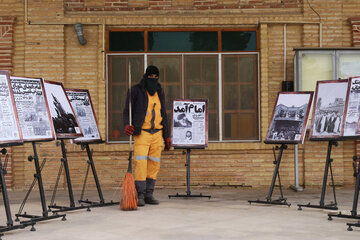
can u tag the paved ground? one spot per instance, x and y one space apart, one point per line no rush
227 215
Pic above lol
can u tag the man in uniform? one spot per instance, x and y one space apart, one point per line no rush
150 130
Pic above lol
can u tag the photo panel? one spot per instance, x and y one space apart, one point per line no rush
10 133
62 114
81 103
290 117
352 109
189 123
329 109
32 109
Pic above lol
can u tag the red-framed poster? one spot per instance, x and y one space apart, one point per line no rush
32 108
189 123
81 103
290 117
62 114
329 108
10 132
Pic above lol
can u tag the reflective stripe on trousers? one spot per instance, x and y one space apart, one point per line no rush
147 152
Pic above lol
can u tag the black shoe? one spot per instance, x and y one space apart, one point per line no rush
141 202
151 200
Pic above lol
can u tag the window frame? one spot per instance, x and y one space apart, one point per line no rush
218 53
335 53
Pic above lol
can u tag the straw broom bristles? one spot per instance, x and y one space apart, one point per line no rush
128 194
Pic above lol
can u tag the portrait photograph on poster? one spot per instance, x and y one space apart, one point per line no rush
9 121
290 116
81 103
352 109
189 123
32 109
61 112
328 110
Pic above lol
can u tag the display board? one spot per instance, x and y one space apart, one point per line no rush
290 116
32 109
81 103
189 123
329 109
9 121
352 109
61 112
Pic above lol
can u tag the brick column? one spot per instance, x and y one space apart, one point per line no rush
6 54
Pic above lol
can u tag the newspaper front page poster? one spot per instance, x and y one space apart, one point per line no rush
81 102
33 111
190 123
9 127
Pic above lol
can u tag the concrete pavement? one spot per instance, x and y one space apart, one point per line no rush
227 215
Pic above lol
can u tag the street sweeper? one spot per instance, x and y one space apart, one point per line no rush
150 130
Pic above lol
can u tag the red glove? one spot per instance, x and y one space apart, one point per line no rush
129 130
167 144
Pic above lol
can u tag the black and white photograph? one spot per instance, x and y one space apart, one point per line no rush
290 116
81 102
329 108
9 122
63 117
32 108
189 123
352 109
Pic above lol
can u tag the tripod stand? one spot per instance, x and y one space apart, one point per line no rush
332 205
353 214
91 164
9 224
65 165
281 200
38 179
188 191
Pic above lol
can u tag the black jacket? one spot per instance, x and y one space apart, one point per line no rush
139 104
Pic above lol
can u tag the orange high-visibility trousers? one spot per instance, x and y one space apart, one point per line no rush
147 151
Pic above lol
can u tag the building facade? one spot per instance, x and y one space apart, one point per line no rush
236 53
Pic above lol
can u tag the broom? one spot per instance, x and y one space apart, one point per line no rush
129 194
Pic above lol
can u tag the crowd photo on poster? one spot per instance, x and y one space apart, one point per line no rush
289 117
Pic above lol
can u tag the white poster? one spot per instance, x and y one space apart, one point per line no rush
81 102
329 108
352 111
190 123
9 126
31 105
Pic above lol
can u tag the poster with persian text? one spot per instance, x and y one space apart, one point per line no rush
9 122
81 103
189 123
62 114
352 108
32 109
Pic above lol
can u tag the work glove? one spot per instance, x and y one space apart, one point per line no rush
129 130
167 144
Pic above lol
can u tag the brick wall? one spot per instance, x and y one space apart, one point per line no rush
48 47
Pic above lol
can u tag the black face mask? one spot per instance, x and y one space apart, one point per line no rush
151 85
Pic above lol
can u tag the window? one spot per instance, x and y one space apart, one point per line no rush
312 65
191 70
